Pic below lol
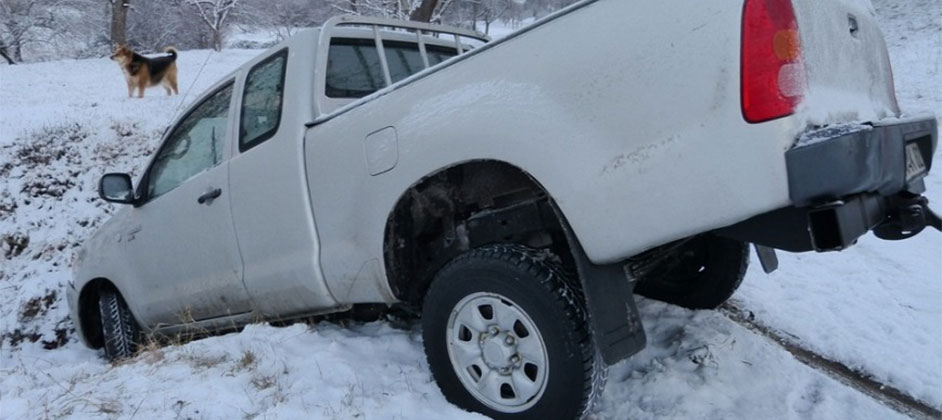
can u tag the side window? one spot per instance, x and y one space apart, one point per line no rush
437 54
195 145
403 59
262 101
353 68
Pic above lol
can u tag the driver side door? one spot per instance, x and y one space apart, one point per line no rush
184 246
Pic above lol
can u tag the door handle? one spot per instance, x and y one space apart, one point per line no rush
209 195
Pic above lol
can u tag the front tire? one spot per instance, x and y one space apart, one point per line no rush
506 334
120 331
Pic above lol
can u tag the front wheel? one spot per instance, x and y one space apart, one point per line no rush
506 334
119 329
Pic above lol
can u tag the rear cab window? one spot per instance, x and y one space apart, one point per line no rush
404 59
354 68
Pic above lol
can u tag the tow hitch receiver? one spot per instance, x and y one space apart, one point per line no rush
836 225
906 217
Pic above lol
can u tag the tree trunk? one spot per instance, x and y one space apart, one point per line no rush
18 52
119 21
474 16
3 53
217 40
6 54
424 12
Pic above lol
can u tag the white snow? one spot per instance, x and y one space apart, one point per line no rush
831 131
875 307
326 371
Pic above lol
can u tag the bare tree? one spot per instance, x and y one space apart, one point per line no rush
156 24
399 9
284 18
23 22
215 14
119 21
418 10
490 11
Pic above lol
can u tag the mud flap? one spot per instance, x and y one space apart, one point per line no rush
767 258
609 295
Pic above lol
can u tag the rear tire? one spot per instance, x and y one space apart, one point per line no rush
701 274
506 334
120 331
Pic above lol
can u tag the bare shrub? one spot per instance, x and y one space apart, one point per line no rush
51 144
14 244
37 305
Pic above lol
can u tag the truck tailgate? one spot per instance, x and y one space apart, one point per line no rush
848 70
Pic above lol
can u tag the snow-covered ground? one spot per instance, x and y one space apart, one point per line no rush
876 307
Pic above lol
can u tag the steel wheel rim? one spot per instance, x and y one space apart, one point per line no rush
497 352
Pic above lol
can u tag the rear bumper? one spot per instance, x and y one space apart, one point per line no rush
838 162
845 181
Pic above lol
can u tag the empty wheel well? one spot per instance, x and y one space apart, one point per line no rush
464 207
89 315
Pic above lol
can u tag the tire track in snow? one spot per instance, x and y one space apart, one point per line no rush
861 381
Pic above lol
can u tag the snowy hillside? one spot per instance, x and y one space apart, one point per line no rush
876 308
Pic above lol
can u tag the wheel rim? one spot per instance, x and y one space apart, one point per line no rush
497 352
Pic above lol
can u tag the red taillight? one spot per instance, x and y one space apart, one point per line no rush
773 75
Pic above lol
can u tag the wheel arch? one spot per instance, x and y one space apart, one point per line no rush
89 316
484 202
461 206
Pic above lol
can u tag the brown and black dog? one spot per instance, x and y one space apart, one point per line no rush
142 72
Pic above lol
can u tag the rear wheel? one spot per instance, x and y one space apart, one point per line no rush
120 331
506 334
702 273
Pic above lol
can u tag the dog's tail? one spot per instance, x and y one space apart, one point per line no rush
172 51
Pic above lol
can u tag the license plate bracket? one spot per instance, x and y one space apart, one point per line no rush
915 165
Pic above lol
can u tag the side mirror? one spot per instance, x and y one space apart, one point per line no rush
116 188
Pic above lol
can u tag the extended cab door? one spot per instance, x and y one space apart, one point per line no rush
271 207
183 245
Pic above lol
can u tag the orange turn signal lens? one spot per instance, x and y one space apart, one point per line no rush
787 45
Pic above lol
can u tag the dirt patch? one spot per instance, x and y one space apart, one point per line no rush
47 186
14 244
7 204
62 333
51 144
17 337
37 306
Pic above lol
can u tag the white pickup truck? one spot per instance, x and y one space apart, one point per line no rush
514 194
